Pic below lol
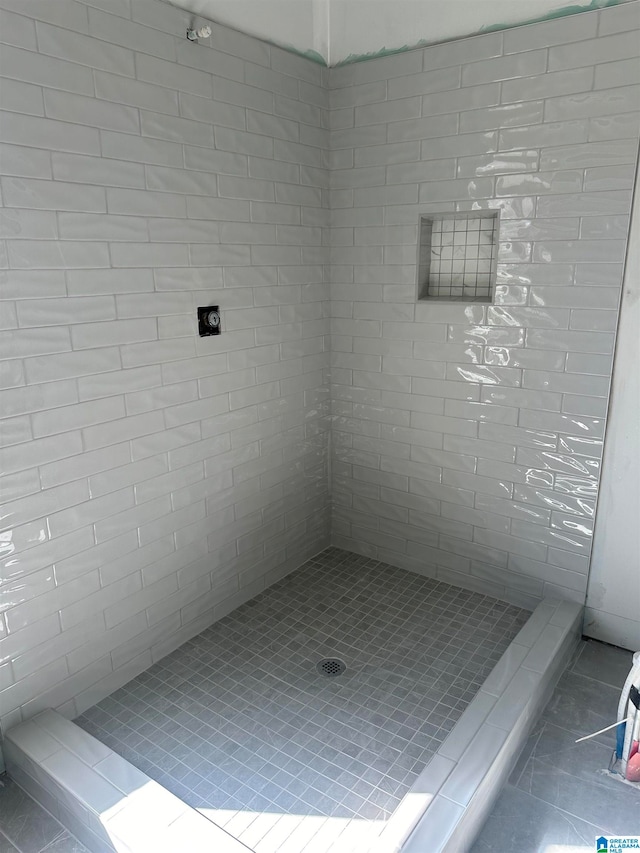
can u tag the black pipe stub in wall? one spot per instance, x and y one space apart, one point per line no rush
209 322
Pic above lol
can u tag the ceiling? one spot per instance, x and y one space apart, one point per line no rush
335 30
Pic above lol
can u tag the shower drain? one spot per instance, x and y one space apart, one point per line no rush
330 667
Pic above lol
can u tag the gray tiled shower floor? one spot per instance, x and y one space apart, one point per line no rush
239 724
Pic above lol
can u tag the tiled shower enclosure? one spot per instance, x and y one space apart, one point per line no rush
157 480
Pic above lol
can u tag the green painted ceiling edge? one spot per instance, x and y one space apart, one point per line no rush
563 12
313 55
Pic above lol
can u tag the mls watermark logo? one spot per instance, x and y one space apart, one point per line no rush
617 843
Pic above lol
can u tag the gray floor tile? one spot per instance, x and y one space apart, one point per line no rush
583 705
25 824
520 822
66 843
285 740
557 794
611 805
604 663
558 748
6 846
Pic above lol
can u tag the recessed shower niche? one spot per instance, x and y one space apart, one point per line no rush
457 256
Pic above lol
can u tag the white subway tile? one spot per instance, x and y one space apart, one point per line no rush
25 162
389 111
160 398
19 693
594 104
460 146
509 115
122 430
621 20
28 224
51 255
67 365
120 523
139 600
469 98
130 563
211 112
89 111
115 332
57 312
525 64
547 85
162 126
47 553
132 35
22 343
172 76
424 128
95 170
21 97
95 558
614 127
435 80
45 71
148 255
76 226
84 50
585 204
17 30
75 417
165 441
61 596
15 486
85 282
89 512
609 178
597 251
15 430
592 51
99 600
121 146
111 87
544 135
23 130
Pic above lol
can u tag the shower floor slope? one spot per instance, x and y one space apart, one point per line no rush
239 723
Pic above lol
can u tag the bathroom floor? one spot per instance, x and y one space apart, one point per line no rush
558 800
25 827
239 723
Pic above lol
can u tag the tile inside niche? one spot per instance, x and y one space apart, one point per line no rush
457 256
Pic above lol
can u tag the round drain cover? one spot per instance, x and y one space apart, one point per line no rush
330 667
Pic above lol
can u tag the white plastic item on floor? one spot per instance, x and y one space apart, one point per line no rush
629 710
107 803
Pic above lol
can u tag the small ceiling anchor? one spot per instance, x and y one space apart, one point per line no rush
200 33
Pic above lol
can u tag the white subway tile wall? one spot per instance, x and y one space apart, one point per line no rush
158 479
467 438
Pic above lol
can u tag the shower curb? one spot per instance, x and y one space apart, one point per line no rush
450 800
110 805
102 799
